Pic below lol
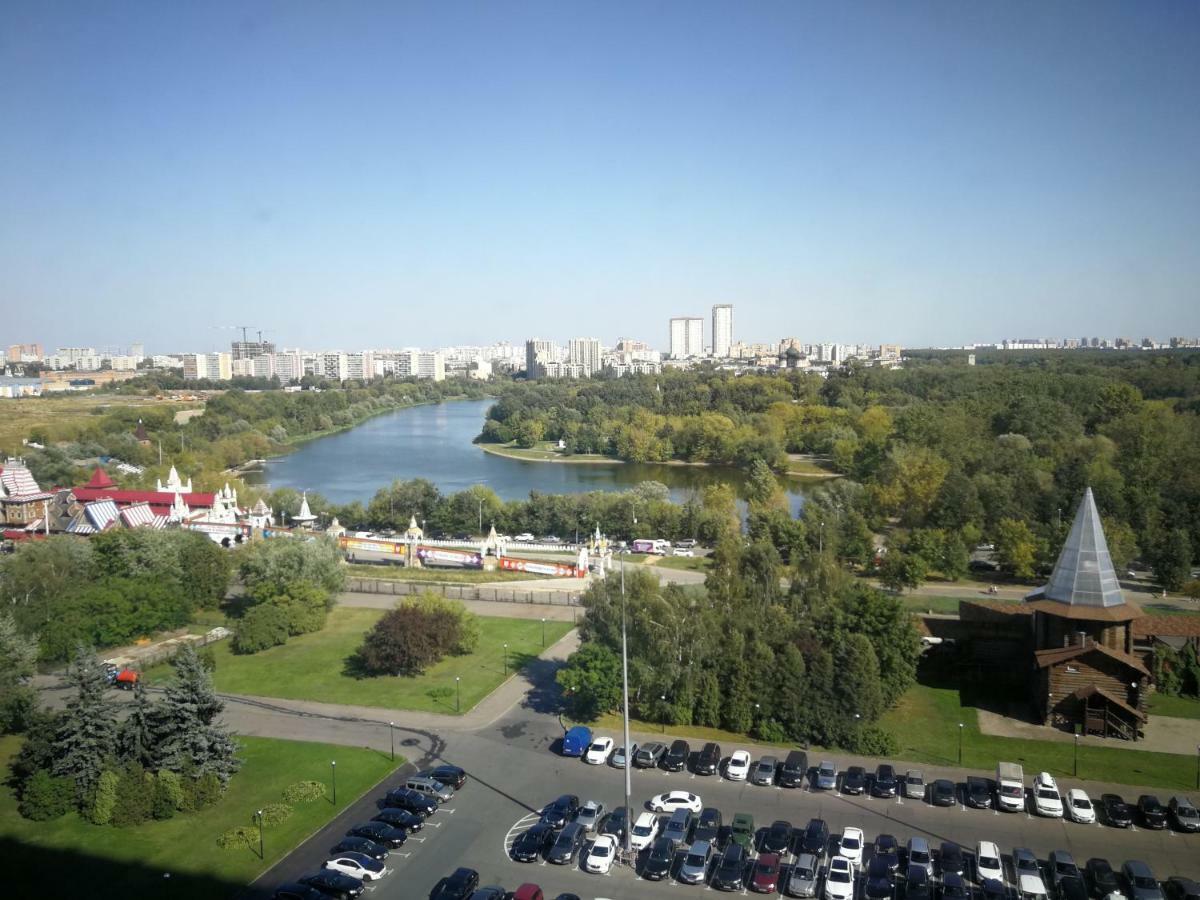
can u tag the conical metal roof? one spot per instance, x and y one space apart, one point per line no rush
1083 575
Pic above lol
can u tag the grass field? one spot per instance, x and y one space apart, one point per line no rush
690 563
801 465
69 857
1177 707
438 576
314 666
545 451
60 416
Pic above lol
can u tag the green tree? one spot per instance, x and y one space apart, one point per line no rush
259 628
858 685
135 796
46 796
87 732
269 569
902 570
1016 547
18 654
591 681
102 801
762 487
135 736
191 737
1173 563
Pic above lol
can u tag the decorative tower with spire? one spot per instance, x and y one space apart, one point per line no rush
305 517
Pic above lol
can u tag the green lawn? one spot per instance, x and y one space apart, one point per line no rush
439 576
545 451
925 722
313 666
692 563
69 857
1177 707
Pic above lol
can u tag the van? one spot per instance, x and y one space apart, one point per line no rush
794 769
423 784
1010 787
576 741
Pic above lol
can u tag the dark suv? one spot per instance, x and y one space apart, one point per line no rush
884 782
677 757
815 839
649 755
794 769
566 847
731 870
709 760
709 825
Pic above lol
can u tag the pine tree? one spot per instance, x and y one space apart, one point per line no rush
87 733
190 737
136 740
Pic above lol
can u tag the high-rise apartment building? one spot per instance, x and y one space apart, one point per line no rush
213 366
687 337
722 329
19 353
252 349
537 354
585 352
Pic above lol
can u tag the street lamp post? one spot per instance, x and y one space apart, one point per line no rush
333 771
458 693
663 698
960 734
543 632
392 735
505 659
1075 770
259 815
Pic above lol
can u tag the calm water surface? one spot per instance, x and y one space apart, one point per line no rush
434 442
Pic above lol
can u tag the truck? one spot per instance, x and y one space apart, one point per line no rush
656 546
1010 787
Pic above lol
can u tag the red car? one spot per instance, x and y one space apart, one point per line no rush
527 892
765 879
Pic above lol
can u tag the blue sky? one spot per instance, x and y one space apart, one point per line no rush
387 174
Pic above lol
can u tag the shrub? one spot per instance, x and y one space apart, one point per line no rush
275 813
135 796
171 784
206 790
46 797
103 799
304 792
468 623
163 804
871 740
238 838
408 639
263 626
208 659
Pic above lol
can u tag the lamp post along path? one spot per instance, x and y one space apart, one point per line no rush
625 705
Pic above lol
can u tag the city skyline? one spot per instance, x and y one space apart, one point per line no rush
928 174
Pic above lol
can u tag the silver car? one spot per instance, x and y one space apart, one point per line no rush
914 784
920 855
620 759
764 771
827 775
695 864
590 815
805 875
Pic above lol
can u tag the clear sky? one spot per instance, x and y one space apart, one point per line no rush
362 174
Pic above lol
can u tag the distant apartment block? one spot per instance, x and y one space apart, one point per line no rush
722 329
687 337
585 353
213 366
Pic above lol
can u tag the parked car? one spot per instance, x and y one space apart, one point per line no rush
919 855
741 830
1030 886
590 814
978 794
561 811
1141 881
451 776
673 800
490 892
764 877
951 860
839 879
1184 815
1079 807
802 880
884 783
709 759
458 885
815 839
879 883
1102 880
914 784
850 845
826 776
988 863
293 890
709 825
533 844
649 755
380 833
684 551
1179 888
357 865
430 787
414 801
794 769
660 859
524 538
1047 801
1025 862
598 751
1060 865
576 741
620 758
600 857
335 884
887 848
566 846
942 793
730 874
778 837
645 830
1152 813
679 826
400 818
991 889
695 864
365 846
738 767
614 823
676 758
1117 812
917 884
764 771
954 887
854 780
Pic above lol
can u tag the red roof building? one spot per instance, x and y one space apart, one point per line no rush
100 487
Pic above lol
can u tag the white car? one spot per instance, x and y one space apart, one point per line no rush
850 845
1079 807
597 753
738 767
988 863
673 800
839 879
684 551
1047 801
645 830
524 537
600 857
357 865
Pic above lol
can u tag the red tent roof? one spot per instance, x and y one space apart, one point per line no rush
159 500
100 479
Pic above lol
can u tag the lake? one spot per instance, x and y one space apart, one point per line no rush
434 442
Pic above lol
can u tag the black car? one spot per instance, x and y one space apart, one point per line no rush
794 769
1101 878
709 825
380 833
854 780
659 860
566 846
362 845
413 801
1072 888
458 885
709 760
1061 866
491 892
293 890
561 811
1152 813
887 848
649 755
951 859
884 783
399 818
1179 888
451 776
334 884
1117 812
916 884
778 838
942 793
815 839
730 874
991 889
614 823
676 758
879 883
530 846
979 792
954 887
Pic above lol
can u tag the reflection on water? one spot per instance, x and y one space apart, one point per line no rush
434 442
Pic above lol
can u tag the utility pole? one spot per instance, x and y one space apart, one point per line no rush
625 699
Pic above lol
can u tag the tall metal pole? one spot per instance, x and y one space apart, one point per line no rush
625 699
392 735
333 772
259 815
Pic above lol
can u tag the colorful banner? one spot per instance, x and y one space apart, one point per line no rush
555 570
456 557
371 545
